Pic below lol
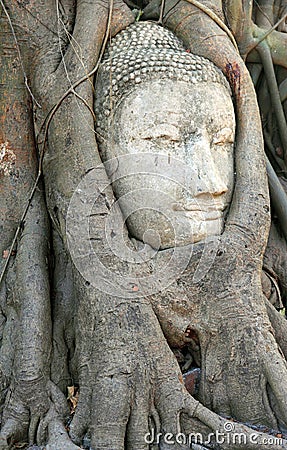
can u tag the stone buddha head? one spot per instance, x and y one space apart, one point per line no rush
166 123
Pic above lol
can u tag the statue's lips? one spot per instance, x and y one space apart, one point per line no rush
202 215
207 211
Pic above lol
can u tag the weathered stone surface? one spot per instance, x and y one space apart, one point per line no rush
178 130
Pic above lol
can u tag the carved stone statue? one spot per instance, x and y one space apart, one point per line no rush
153 97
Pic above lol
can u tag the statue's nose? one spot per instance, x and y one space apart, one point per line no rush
208 177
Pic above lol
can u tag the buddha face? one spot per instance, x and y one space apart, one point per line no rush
191 126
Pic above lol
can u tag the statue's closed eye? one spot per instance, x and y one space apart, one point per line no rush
161 132
161 138
224 136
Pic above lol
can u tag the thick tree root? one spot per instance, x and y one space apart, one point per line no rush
32 415
135 388
58 438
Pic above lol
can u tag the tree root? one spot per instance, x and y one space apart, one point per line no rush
58 438
279 324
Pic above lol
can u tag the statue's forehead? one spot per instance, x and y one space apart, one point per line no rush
177 103
175 93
